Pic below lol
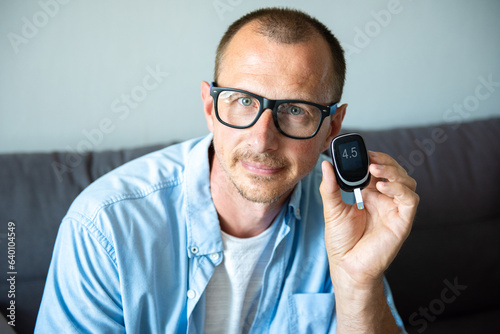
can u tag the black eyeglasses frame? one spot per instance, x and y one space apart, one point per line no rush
270 104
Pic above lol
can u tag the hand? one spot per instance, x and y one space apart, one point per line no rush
361 244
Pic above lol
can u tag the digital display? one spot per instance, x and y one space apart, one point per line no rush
350 156
351 161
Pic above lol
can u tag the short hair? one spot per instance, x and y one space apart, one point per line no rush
288 26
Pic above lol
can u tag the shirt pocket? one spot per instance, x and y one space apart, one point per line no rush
311 313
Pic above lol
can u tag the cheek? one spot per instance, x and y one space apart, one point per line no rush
225 140
325 136
305 156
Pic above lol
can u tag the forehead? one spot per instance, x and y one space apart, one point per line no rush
275 70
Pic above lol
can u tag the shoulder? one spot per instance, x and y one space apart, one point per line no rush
137 179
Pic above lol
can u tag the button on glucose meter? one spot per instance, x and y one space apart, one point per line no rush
350 161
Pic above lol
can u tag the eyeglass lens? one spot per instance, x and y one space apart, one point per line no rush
294 119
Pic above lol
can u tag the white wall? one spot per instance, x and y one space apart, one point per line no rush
67 67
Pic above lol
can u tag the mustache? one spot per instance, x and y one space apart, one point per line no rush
267 159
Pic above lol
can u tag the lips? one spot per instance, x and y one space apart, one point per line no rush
263 164
261 168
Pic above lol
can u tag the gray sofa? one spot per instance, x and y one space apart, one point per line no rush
445 279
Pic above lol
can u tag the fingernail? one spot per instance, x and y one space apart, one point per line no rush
382 184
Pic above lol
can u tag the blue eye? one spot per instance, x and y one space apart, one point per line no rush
245 101
295 111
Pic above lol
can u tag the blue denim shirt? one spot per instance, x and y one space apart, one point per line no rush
137 248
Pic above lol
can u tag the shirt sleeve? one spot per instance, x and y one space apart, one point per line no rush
82 291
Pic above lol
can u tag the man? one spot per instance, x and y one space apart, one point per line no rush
229 233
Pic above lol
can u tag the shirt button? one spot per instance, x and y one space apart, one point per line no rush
297 212
191 294
194 249
214 256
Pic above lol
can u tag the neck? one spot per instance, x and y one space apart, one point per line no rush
239 216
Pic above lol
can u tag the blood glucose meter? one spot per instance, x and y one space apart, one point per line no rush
350 162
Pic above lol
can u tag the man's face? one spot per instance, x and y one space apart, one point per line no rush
260 162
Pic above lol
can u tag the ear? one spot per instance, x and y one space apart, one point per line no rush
335 125
208 105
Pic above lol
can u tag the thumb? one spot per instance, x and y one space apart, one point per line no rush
329 189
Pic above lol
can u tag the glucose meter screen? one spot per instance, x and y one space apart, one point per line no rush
350 157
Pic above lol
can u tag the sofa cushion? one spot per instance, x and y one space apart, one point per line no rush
454 240
36 191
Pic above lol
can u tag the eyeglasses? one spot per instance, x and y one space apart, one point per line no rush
296 119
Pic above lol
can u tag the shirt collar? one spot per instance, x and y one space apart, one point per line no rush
294 203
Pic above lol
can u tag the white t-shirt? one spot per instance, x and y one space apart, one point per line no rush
232 295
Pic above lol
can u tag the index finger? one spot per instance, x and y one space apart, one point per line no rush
386 168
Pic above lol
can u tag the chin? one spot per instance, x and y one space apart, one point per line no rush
263 191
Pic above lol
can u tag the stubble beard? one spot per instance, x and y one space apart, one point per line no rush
257 188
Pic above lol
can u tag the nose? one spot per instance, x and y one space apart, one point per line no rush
263 136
